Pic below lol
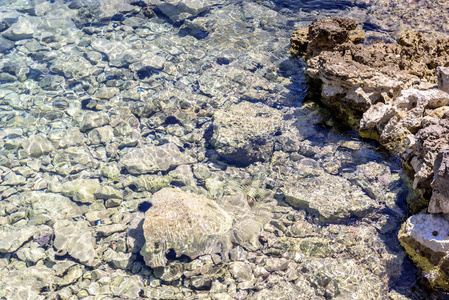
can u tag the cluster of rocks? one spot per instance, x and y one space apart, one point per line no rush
195 107
397 94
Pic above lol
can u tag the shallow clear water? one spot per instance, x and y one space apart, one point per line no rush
152 80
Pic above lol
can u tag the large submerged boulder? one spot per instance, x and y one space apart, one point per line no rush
186 223
178 10
246 132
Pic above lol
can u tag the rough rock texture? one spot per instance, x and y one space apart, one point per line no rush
442 75
246 132
384 90
185 222
396 94
440 184
425 239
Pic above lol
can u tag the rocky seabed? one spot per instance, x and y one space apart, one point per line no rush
162 150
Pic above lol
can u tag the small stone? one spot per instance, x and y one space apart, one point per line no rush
276 264
241 271
108 192
36 146
81 190
101 135
93 120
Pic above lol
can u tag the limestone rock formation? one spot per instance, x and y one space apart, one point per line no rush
398 95
425 239
386 91
186 223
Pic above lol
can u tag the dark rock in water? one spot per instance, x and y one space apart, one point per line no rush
325 34
440 184
6 44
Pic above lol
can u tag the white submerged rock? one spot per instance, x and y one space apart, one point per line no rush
185 222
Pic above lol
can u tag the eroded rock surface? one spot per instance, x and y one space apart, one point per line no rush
186 223
336 200
425 239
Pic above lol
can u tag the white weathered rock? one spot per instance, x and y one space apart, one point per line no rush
429 230
425 238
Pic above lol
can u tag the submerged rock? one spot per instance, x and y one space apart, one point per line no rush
81 190
332 198
36 146
178 10
246 132
186 223
151 159
389 93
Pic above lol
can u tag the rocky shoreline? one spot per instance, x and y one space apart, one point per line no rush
162 150
397 94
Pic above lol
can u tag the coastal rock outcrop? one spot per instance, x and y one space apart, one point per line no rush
398 95
186 223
